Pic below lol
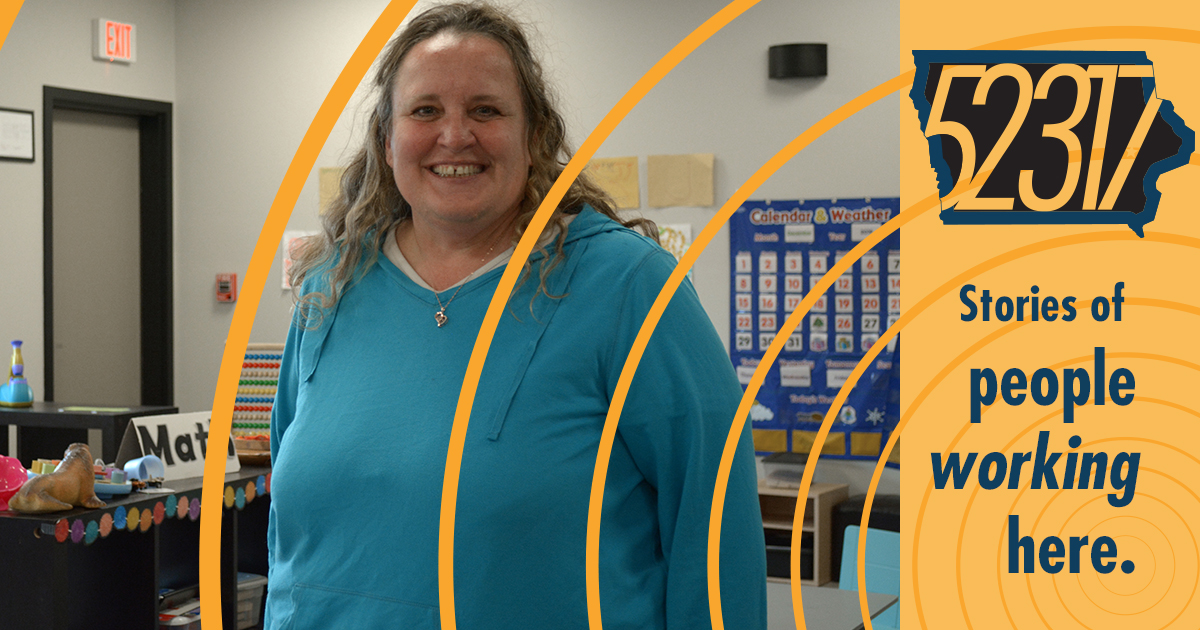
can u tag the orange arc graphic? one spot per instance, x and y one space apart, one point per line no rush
1033 599
814 455
1196 548
668 291
920 515
891 332
289 190
739 420
8 15
943 290
1028 582
1042 420
927 301
945 372
925 392
961 595
1013 441
971 500
256 277
1025 41
236 343
1181 519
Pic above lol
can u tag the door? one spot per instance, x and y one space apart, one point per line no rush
109 334
96 259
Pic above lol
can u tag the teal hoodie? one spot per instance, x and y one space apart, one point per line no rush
361 427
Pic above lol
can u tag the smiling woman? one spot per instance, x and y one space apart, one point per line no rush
464 143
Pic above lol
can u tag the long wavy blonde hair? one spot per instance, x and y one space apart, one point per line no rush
369 204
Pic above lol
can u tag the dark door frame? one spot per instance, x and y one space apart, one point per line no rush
154 126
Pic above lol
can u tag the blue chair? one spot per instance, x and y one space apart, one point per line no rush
883 569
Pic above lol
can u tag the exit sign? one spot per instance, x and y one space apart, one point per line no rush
115 41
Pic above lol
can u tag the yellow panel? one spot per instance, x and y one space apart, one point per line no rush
802 442
774 440
865 443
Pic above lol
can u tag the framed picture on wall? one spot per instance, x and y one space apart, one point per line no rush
16 135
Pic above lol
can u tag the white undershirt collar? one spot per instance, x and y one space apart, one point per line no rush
392 251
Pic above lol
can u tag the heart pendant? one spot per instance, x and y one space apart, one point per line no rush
440 317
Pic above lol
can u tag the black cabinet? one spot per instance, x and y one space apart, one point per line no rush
78 569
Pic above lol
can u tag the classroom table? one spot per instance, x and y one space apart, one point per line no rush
824 608
47 428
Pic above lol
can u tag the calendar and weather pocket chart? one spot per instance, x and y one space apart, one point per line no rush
779 250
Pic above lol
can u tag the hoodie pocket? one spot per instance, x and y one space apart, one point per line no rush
323 608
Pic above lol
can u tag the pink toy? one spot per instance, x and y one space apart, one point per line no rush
12 477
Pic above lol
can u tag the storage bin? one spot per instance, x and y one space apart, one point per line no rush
784 470
184 617
779 562
251 588
174 598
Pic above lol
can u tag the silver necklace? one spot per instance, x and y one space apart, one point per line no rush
440 316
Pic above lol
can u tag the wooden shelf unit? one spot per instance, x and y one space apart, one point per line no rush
778 507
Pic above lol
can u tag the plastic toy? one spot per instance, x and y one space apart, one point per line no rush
145 468
71 484
16 392
108 489
12 477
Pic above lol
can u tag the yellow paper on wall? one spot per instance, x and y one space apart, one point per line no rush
619 178
680 180
330 182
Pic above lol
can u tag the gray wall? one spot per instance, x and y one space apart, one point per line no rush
247 79
717 101
51 44
251 78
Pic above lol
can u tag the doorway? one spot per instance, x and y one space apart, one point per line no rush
108 257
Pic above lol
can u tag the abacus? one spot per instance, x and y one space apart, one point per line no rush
256 389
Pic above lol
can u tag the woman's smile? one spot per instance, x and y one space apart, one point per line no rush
450 170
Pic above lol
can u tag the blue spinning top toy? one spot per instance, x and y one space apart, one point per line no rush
16 392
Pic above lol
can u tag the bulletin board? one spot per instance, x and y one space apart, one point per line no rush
779 250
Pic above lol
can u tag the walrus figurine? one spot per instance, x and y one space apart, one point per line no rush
72 484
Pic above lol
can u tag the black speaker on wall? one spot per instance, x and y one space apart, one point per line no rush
793 61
